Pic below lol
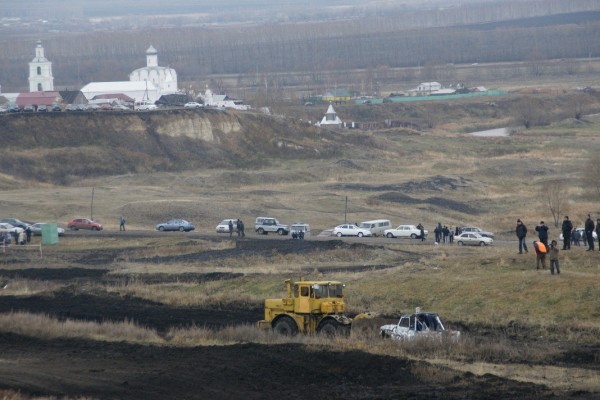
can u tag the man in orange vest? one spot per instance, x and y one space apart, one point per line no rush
540 251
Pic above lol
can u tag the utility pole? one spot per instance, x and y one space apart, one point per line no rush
346 211
92 206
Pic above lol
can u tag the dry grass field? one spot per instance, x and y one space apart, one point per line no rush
169 300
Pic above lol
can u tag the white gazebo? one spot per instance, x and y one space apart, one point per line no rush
331 119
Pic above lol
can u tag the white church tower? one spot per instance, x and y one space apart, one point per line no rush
40 72
163 78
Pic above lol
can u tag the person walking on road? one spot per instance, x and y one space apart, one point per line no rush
28 234
553 252
122 223
540 251
238 227
230 228
242 228
521 232
567 228
589 232
542 231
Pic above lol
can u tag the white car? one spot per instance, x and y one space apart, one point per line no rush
193 104
5 227
474 229
474 239
416 326
581 232
146 107
350 230
405 231
223 226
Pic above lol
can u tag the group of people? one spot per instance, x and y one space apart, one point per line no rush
443 234
239 226
569 234
22 237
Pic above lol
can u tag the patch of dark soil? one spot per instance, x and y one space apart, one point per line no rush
187 277
263 248
75 368
347 164
441 202
436 184
53 274
112 307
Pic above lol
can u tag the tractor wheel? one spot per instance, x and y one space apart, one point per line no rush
329 327
285 326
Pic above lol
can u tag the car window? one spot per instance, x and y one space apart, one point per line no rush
404 322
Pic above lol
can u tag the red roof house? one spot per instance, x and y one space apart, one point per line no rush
38 98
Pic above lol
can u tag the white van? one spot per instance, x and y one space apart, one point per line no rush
377 227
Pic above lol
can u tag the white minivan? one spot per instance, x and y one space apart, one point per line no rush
377 227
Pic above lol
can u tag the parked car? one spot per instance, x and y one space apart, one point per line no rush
15 222
418 325
6 227
14 108
120 107
56 108
83 223
36 229
28 108
106 107
93 107
474 239
71 107
145 106
223 226
474 229
405 231
350 230
581 232
180 225
3 109
42 108
193 104
264 225
377 227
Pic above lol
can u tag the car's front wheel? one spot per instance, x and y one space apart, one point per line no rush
161 228
482 244
181 229
360 234
460 243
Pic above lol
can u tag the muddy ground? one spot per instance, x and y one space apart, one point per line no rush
96 369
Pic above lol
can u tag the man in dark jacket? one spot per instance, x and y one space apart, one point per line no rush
597 232
521 232
567 228
589 232
542 231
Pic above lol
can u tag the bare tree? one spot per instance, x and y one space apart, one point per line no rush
556 194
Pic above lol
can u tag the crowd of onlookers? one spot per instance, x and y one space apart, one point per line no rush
16 237
570 235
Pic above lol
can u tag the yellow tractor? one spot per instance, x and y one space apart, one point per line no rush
310 307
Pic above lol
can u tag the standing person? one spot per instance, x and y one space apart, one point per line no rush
451 235
28 234
230 228
445 233
540 251
542 231
421 229
238 227
242 228
576 238
521 232
122 223
438 232
567 228
553 252
597 232
589 232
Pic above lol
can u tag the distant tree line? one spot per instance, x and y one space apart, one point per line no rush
375 43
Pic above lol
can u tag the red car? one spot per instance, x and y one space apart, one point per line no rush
83 223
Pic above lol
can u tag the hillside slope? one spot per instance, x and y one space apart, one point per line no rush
58 147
